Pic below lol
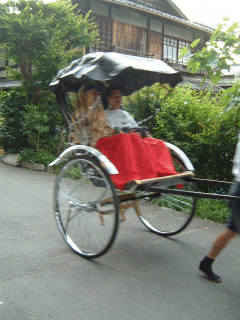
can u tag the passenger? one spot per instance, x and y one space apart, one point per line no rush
136 158
116 116
89 118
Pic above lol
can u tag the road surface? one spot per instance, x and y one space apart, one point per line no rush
143 276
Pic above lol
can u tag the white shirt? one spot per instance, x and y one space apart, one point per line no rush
120 119
236 161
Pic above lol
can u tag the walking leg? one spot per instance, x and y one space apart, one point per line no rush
218 245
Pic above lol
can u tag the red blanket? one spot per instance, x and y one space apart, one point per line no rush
136 158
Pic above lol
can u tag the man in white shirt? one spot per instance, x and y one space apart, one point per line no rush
233 227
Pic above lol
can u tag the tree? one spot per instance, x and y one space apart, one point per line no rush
218 55
42 38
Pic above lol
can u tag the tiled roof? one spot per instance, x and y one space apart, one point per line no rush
234 71
9 84
196 84
146 8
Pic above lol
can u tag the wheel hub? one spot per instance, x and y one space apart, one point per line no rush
82 205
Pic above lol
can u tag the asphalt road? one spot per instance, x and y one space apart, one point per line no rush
143 276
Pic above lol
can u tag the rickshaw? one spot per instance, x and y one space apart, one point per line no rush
87 205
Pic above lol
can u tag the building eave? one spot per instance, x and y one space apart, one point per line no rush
171 3
142 8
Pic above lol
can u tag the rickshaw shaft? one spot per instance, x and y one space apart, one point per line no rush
207 181
193 193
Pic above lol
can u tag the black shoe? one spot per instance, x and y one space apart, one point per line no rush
207 270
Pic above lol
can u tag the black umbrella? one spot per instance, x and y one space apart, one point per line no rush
130 73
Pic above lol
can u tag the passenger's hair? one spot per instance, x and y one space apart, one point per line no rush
89 86
107 93
80 102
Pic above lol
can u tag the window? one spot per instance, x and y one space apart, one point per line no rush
105 34
170 49
181 45
143 45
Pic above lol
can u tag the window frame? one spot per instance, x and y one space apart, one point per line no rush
174 46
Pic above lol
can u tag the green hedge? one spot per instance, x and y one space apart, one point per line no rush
194 122
35 125
12 107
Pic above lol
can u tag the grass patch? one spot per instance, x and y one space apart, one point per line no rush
215 210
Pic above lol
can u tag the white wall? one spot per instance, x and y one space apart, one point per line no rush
2 74
199 36
155 25
179 33
2 61
99 8
129 16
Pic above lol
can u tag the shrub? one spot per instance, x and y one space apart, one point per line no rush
12 107
43 123
42 156
194 122
142 105
212 210
37 124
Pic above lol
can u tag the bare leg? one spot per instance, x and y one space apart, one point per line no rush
221 242
218 245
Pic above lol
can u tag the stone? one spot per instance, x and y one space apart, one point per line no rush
33 166
38 167
2 151
12 159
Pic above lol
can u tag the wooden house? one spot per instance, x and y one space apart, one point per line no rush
153 28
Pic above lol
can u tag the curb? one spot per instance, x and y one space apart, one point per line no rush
32 166
26 165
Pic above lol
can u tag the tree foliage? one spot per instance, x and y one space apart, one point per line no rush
218 55
25 125
41 38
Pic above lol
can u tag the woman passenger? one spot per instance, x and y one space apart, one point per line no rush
116 117
135 157
89 119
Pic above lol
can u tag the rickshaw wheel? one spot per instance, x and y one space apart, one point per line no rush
168 214
86 206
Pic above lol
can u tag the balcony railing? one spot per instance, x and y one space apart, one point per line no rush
180 66
131 52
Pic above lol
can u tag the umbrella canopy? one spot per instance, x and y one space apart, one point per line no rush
130 73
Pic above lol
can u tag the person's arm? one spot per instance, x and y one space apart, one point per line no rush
133 126
236 161
131 123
